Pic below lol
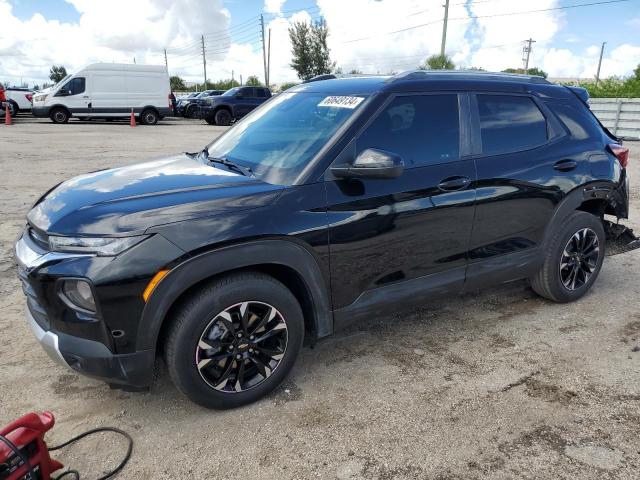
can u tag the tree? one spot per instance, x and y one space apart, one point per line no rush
176 83
286 85
531 71
57 73
355 71
253 81
438 62
636 72
309 49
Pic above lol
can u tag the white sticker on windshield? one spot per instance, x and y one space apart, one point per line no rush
341 102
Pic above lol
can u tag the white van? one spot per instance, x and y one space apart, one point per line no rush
108 90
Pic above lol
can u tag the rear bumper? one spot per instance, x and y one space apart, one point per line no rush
94 359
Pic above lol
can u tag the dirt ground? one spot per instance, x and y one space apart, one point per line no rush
496 384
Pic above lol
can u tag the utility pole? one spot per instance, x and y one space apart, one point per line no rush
600 63
264 52
269 60
204 63
526 53
241 80
166 63
444 28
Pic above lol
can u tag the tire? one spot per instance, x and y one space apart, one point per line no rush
210 120
223 117
59 115
190 111
13 108
573 258
149 117
203 348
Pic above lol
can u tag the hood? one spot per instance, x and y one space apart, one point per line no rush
131 199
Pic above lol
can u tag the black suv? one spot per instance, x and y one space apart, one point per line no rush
233 104
335 201
192 107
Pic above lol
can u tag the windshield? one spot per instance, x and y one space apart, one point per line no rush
230 92
279 139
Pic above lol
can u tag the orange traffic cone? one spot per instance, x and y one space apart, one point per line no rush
132 120
7 114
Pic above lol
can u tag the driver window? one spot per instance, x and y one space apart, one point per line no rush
74 86
422 129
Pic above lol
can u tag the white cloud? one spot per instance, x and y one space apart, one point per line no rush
359 38
273 6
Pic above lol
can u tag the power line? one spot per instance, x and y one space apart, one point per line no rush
471 17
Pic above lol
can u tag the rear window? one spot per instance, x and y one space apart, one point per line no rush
510 124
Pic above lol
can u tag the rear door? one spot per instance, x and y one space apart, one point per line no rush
524 170
246 101
398 240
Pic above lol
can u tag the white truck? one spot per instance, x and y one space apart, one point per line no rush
108 90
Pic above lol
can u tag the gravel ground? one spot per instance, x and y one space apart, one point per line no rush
495 384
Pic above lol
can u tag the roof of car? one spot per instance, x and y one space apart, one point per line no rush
421 80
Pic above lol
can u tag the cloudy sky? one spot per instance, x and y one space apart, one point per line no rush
370 35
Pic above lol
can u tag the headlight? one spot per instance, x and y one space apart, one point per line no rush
103 246
40 98
79 293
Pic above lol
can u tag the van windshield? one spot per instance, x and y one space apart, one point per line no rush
279 139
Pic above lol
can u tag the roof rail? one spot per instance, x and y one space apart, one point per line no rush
424 74
317 78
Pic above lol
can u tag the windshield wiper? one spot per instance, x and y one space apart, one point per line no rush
246 171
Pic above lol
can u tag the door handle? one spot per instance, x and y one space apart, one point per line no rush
452 184
565 165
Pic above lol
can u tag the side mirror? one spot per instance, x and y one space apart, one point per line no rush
371 163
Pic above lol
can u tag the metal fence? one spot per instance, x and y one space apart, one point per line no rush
620 115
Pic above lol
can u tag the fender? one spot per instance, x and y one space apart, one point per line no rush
601 190
205 265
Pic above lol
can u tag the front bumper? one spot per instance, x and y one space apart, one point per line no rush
41 112
93 359
85 345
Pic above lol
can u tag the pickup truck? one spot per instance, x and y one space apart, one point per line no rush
233 104
19 99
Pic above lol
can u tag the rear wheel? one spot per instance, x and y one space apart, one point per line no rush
223 117
13 108
234 340
149 117
572 260
59 115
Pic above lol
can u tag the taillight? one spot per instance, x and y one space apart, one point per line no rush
621 153
29 97
170 102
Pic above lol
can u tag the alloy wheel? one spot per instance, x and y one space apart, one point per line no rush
579 259
241 347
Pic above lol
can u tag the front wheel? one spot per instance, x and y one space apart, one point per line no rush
59 115
234 340
149 117
223 117
572 260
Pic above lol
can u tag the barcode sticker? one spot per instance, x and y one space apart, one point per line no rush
341 102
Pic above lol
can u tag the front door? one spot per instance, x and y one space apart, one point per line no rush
75 96
398 240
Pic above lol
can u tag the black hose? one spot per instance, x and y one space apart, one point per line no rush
90 432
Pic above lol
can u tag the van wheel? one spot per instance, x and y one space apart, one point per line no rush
149 117
572 260
59 115
223 117
234 340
